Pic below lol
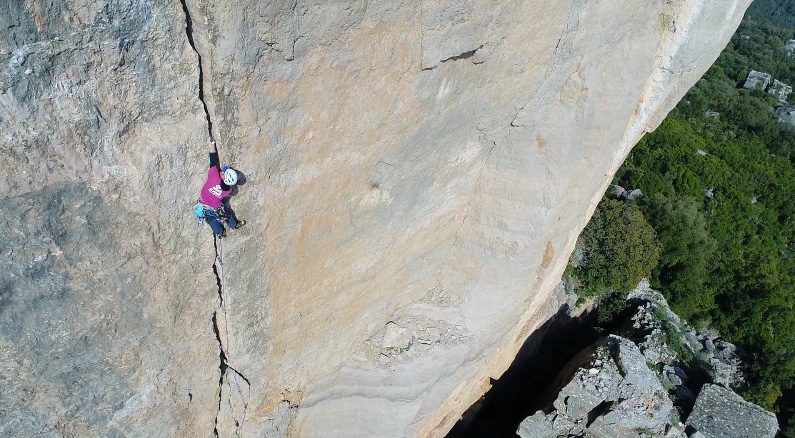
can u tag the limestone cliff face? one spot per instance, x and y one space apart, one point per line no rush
416 175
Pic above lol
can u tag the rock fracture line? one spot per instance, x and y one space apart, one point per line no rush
228 375
189 33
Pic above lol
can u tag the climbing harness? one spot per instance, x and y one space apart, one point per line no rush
200 211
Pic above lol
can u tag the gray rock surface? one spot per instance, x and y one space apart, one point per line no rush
786 113
720 413
642 404
417 161
616 395
718 358
539 425
634 194
779 90
790 46
622 386
757 80
628 194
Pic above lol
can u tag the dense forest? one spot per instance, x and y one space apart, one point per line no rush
714 227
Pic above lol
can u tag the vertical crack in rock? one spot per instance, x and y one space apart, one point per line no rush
561 58
189 33
226 370
222 356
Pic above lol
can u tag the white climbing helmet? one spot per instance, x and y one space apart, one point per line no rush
230 176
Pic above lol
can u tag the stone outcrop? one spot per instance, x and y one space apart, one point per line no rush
417 173
786 113
719 412
656 330
625 194
644 383
779 90
764 81
757 80
619 396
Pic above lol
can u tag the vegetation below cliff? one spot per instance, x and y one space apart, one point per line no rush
718 181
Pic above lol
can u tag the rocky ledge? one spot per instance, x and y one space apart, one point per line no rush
655 377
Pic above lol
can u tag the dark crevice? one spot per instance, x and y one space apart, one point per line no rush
239 374
546 362
220 386
531 381
189 32
465 55
223 359
222 356
598 411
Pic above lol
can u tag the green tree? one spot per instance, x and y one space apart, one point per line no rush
728 258
687 253
620 248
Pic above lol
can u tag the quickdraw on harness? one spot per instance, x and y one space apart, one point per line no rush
200 211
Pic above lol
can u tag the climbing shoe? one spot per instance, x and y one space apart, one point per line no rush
222 235
240 224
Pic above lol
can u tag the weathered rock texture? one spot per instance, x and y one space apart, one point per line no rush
617 396
757 80
640 381
657 330
423 162
719 412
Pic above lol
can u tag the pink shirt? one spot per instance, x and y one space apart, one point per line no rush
212 195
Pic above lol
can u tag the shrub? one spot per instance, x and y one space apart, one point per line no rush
620 248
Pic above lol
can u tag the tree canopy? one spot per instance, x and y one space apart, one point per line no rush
716 218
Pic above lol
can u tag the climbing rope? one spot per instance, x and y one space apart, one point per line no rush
240 393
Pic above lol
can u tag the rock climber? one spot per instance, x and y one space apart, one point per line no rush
219 185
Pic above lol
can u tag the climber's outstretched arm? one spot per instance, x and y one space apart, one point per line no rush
214 161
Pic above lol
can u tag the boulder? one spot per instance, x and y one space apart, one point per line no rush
622 390
786 113
720 413
539 425
757 80
633 194
616 392
790 46
642 403
779 90
718 358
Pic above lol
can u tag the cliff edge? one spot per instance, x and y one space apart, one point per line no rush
416 175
